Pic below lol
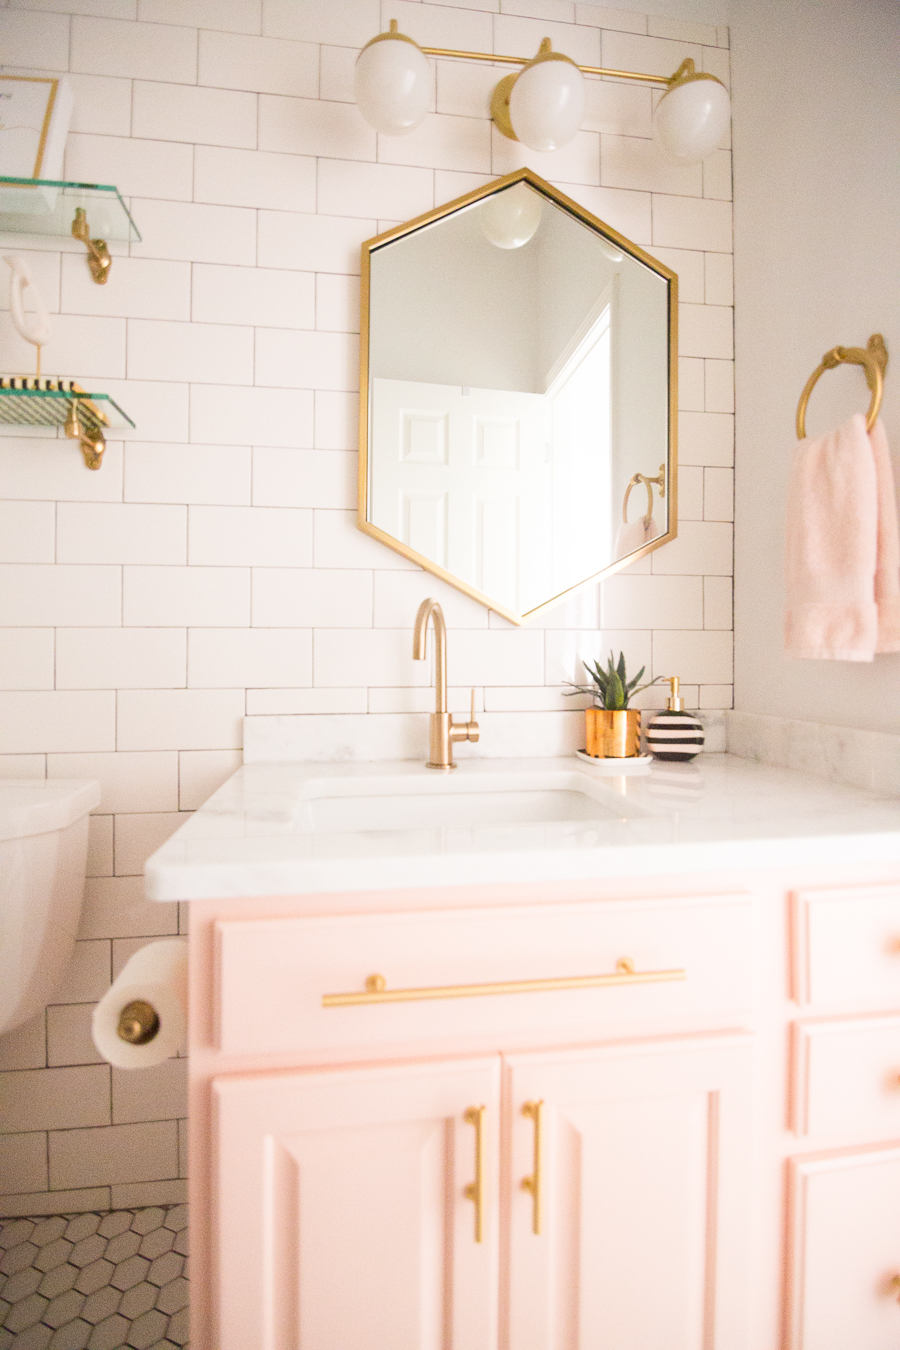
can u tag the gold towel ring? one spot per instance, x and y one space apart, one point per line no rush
633 481
873 358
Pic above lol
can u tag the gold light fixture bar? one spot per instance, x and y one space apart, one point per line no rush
523 61
376 990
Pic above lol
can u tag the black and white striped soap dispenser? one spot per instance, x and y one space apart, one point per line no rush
674 734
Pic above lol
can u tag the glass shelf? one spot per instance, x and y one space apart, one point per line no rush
45 206
40 402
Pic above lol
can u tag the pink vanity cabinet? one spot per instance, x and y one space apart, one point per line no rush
544 1162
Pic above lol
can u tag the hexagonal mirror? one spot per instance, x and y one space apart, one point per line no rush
518 395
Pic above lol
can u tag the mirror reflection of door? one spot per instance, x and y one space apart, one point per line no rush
465 479
517 379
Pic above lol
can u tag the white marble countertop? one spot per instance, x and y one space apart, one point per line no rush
274 829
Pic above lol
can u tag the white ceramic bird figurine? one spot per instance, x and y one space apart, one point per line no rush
34 328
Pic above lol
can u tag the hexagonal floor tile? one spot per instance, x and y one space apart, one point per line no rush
174 1296
165 1268
82 1226
129 1272
147 1330
119 1221
101 1304
57 1281
87 1250
18 1257
73 1336
145 1220
15 1231
48 1230
156 1243
20 1285
121 1247
94 1276
109 1334
64 1309
138 1300
95 1281
53 1254
35 1338
23 1315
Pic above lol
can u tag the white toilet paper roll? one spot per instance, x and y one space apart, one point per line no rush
157 974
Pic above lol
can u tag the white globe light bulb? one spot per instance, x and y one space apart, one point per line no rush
510 218
546 105
691 119
392 83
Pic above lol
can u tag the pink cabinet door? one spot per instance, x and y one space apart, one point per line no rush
342 1216
845 1251
644 1162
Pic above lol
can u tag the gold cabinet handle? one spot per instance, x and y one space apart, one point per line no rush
475 1189
376 990
535 1111
893 1287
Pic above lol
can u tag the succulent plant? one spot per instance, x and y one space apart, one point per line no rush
611 689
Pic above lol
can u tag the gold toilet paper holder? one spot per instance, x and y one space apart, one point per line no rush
138 1022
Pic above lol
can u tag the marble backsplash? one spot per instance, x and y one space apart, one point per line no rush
866 759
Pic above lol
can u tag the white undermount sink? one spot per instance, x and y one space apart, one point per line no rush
352 805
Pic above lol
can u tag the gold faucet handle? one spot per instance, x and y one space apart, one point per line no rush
466 731
472 728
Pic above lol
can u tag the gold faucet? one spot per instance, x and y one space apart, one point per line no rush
444 731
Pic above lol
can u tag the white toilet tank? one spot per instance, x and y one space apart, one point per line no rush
43 852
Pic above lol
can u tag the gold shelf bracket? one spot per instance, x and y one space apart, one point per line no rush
92 442
99 260
376 990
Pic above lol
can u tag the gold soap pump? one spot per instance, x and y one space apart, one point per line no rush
674 734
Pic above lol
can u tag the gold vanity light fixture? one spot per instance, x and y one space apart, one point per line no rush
542 105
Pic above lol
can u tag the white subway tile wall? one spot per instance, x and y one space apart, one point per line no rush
212 568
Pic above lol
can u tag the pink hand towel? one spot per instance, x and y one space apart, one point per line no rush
631 537
842 547
887 562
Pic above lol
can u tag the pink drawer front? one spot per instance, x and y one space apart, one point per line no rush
413 979
847 946
847 1076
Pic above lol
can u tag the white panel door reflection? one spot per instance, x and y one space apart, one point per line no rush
465 478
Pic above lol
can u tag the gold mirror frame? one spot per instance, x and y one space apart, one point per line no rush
671 472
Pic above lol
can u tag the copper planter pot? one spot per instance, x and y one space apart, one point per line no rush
612 735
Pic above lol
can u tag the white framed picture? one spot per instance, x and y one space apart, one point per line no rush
35 112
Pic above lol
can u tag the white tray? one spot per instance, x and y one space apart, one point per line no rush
617 767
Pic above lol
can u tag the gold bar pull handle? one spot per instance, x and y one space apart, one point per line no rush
475 1189
535 1111
376 990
